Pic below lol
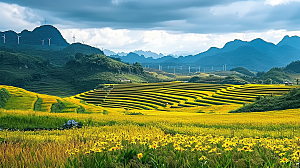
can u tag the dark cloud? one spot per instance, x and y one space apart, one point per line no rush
176 15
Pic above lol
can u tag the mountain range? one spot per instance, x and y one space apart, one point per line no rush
146 54
256 55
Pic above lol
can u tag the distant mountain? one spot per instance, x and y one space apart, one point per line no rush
258 44
293 41
244 56
148 54
122 53
181 53
256 55
133 57
109 52
47 33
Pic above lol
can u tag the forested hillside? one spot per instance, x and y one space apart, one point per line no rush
82 72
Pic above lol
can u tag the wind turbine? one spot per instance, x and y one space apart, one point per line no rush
49 40
3 38
18 39
43 41
74 38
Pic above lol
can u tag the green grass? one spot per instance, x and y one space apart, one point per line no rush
58 107
290 100
38 104
20 101
4 96
30 122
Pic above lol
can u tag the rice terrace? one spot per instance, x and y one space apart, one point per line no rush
150 84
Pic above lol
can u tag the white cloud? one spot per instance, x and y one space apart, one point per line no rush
279 2
161 41
14 17
103 38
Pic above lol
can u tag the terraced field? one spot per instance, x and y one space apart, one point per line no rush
27 100
176 95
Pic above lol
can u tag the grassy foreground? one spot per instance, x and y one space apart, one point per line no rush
156 139
204 136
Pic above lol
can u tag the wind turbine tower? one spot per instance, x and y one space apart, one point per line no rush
3 38
43 41
49 40
74 38
19 39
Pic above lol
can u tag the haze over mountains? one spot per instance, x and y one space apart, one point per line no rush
146 54
256 55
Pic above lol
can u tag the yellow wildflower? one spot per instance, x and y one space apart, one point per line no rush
140 155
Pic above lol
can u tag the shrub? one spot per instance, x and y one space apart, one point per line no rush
105 112
57 107
4 96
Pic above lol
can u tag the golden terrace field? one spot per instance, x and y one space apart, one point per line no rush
204 136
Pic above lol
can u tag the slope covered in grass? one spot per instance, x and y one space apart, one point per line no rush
4 96
82 72
290 100
20 99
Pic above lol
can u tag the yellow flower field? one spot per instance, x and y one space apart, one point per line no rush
248 138
202 136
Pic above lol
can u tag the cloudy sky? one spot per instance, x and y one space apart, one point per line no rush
162 26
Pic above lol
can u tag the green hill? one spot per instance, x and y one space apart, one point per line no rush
18 69
81 73
293 67
270 103
57 55
61 57
276 75
243 70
